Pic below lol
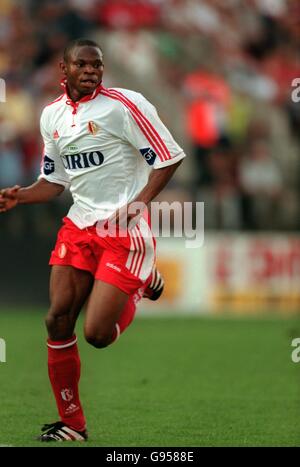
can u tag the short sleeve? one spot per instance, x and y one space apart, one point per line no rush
52 168
145 131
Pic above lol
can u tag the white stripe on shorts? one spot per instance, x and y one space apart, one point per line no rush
141 256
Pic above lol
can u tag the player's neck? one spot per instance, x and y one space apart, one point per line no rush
74 94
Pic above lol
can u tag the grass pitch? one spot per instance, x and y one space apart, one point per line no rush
166 382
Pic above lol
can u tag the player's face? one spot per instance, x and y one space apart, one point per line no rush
83 70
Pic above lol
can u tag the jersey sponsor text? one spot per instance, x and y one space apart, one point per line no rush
83 160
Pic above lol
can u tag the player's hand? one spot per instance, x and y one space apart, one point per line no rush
9 198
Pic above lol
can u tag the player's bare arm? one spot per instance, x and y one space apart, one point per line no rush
157 181
39 192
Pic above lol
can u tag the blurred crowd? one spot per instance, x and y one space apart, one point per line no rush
220 73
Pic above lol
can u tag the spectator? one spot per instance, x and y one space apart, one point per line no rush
262 185
207 110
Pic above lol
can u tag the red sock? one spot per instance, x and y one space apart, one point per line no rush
125 319
64 374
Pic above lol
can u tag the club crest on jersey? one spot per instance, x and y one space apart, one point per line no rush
62 251
93 128
55 134
149 155
48 165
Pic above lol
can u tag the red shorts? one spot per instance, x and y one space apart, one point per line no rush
123 261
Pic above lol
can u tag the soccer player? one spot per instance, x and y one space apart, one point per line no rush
103 145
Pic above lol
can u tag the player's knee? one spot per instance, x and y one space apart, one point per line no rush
54 315
58 319
100 340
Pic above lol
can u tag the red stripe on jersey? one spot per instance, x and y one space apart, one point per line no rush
56 100
146 127
138 121
151 128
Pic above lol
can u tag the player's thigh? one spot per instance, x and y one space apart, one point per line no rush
69 289
104 308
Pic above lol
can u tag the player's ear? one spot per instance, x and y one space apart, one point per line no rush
63 67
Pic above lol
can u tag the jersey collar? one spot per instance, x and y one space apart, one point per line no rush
86 98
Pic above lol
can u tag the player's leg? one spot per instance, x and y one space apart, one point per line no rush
105 308
122 275
110 310
69 289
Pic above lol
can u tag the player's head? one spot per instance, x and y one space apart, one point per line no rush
82 65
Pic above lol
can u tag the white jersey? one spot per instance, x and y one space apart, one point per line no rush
103 148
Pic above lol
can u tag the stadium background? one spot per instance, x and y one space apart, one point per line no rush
220 74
